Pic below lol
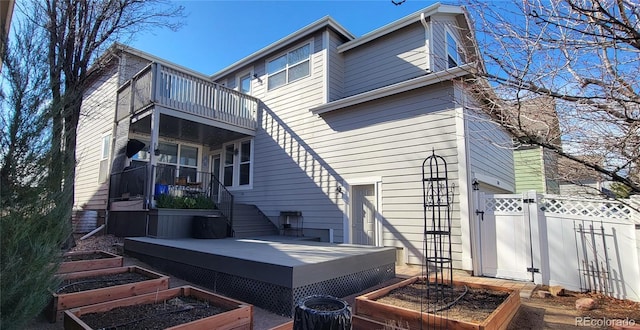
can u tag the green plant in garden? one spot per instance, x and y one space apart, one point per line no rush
34 222
32 233
184 202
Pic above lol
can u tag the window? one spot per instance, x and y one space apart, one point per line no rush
244 87
453 56
237 166
188 163
104 158
245 163
289 67
177 161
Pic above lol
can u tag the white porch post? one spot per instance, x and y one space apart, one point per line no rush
156 81
153 159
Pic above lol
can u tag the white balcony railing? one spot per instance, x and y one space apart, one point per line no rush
182 91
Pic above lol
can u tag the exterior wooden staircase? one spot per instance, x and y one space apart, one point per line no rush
249 221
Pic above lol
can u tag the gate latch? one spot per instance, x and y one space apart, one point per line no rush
481 214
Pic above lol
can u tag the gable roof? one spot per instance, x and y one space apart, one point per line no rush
436 8
325 22
353 42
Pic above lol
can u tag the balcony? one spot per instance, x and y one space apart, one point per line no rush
185 95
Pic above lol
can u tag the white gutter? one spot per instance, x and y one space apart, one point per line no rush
404 86
436 8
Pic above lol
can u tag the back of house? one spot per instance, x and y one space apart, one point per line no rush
321 131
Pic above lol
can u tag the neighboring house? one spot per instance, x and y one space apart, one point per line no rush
536 168
578 180
6 13
319 124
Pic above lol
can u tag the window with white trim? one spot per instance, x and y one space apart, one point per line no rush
237 165
105 153
453 53
289 67
176 161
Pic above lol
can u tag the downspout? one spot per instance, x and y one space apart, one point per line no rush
427 41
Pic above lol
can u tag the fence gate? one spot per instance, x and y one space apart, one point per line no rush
504 223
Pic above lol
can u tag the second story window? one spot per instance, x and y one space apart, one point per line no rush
453 55
289 67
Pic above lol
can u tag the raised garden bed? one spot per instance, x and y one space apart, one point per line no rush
391 308
96 286
88 260
178 308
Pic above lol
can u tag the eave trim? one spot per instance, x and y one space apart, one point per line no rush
422 81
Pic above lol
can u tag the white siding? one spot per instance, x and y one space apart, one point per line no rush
98 108
387 60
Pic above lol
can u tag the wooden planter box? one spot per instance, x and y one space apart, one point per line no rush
63 301
240 315
109 260
370 314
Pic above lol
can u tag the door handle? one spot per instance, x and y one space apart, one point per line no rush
481 213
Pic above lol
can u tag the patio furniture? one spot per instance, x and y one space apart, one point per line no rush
291 223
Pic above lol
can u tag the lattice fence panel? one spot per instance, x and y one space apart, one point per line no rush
504 204
588 208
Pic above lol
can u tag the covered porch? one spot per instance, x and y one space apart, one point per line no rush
169 125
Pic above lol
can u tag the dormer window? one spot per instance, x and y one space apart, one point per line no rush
289 67
453 55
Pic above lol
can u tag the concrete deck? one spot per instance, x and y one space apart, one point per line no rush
270 272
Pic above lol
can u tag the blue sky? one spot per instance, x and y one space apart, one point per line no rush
216 34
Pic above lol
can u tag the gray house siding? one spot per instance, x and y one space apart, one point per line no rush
387 60
335 68
490 151
288 173
300 159
439 25
390 139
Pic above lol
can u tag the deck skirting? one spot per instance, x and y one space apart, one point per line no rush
265 283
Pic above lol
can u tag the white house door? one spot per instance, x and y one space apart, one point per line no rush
364 214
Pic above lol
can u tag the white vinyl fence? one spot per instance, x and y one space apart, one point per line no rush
581 244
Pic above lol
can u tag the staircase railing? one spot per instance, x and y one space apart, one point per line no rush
223 199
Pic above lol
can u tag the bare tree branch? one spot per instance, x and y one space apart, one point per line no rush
582 54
